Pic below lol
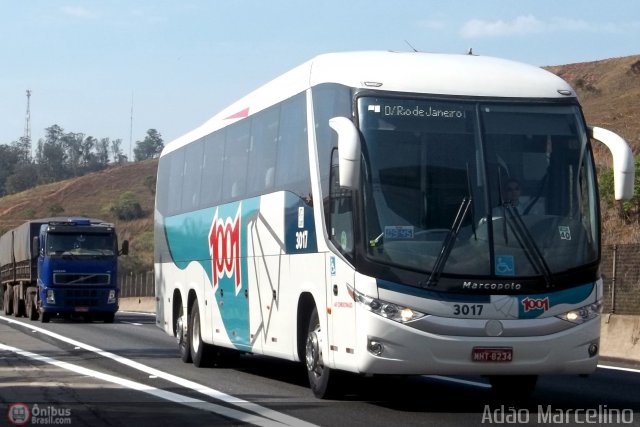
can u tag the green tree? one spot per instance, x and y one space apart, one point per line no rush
52 156
23 178
102 152
116 152
150 147
9 156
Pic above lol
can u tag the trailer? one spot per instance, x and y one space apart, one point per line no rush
61 267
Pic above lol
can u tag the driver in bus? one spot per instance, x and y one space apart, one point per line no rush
512 196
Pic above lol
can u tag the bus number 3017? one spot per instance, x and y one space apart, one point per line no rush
467 309
301 239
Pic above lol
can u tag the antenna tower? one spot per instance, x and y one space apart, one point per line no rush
27 127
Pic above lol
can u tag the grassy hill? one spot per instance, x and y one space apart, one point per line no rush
609 91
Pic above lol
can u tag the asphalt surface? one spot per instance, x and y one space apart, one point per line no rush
129 373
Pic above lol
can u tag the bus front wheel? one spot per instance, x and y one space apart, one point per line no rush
322 379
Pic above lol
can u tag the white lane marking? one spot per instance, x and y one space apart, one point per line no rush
459 381
207 391
143 313
618 368
131 323
162 394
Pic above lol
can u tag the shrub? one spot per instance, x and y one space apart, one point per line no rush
55 209
127 207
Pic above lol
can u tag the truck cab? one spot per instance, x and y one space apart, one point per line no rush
77 269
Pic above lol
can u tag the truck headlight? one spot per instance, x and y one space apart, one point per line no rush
388 310
112 297
51 296
582 314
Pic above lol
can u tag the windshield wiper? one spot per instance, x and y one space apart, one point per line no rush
526 241
447 243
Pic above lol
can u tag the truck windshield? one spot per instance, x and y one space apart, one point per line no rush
61 244
526 168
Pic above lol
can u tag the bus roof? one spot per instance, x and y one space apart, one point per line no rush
410 72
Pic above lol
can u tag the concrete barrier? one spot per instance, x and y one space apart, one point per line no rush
620 337
141 304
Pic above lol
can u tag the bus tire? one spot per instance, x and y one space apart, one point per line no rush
202 353
513 386
182 336
323 381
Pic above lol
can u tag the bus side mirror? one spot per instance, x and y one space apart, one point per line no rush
623 163
125 248
348 151
35 247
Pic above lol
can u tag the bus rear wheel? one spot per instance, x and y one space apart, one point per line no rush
202 353
182 336
324 381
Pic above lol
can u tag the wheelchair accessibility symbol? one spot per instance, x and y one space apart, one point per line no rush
505 265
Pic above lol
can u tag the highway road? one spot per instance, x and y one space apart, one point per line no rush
129 374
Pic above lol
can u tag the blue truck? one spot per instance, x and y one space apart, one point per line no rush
61 267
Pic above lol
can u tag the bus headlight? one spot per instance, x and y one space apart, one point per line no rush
582 314
386 309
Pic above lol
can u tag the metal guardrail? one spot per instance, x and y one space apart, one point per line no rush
137 284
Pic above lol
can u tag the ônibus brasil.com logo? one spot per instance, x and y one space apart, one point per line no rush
20 414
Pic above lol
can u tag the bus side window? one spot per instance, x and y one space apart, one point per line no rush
292 166
192 175
234 180
263 150
212 172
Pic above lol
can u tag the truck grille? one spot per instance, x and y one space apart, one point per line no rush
81 297
81 279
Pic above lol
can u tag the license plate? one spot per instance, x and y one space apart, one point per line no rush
82 309
492 354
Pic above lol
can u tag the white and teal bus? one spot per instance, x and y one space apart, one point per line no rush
351 214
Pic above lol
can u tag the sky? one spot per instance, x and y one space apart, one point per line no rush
116 68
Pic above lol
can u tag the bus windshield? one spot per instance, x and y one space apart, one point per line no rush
526 169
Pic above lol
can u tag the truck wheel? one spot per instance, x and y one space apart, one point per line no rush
202 353
182 336
8 301
18 305
32 310
109 317
324 381
45 317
